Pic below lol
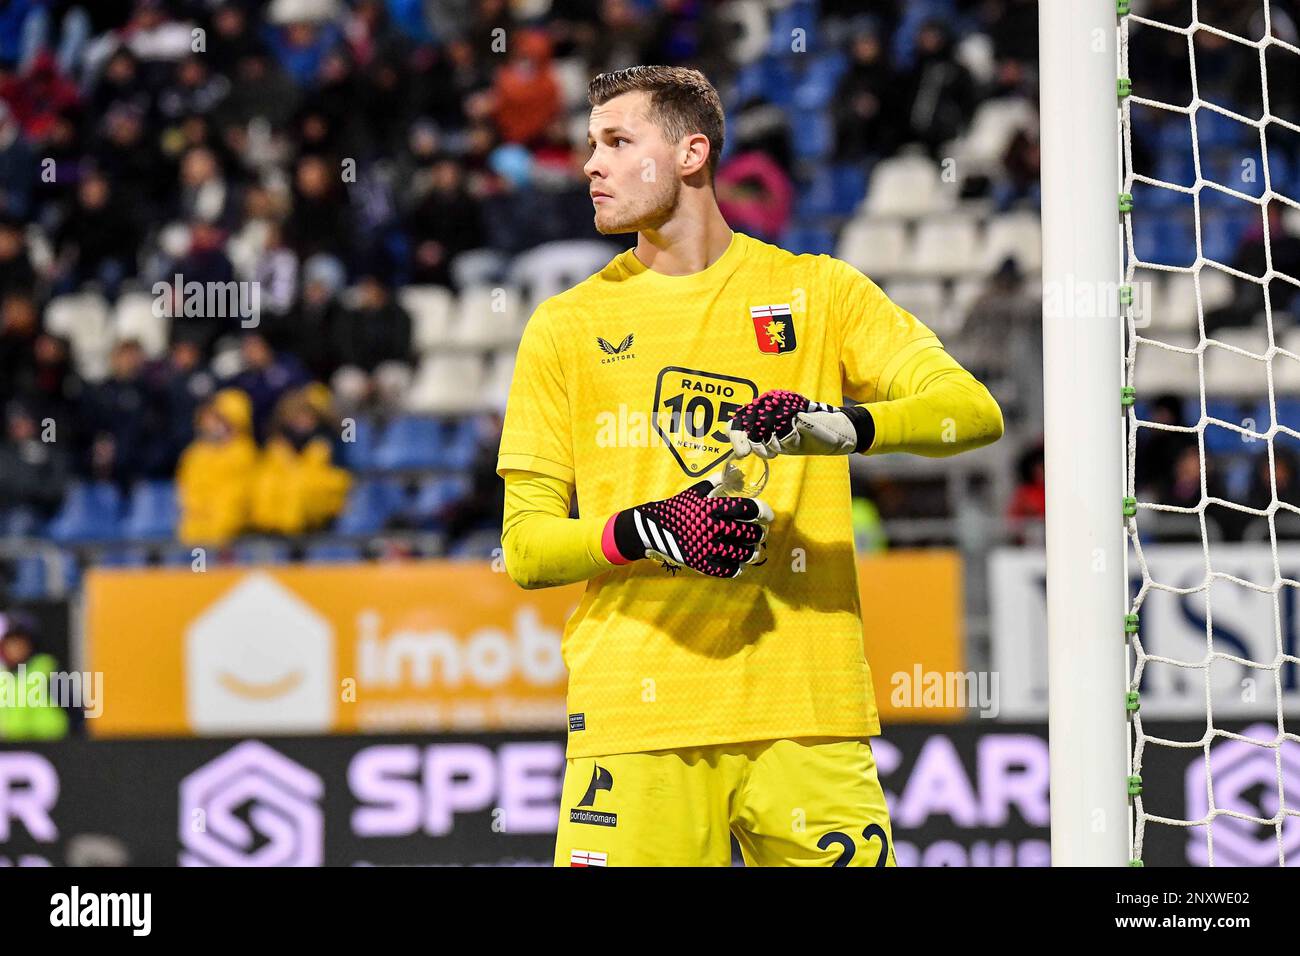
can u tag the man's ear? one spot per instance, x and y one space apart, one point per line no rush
695 158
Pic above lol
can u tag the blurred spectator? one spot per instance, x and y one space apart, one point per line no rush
321 220
120 417
298 488
204 194
868 119
869 535
182 382
38 94
19 328
16 272
98 241
1021 162
372 343
1157 447
203 317
267 375
30 717
309 332
33 472
1028 507
193 90
1001 342
52 386
1286 473
259 90
942 95
482 507
526 94
18 168
755 195
214 480
444 223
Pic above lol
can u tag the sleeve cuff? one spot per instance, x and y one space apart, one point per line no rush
542 466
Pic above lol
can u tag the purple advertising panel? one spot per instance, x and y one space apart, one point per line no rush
975 794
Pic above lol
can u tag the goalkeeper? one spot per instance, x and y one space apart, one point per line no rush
717 681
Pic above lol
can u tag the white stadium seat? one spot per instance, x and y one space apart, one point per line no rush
904 186
134 318
1162 370
430 307
486 317
446 384
1017 236
1286 372
82 319
874 246
924 298
1230 374
945 246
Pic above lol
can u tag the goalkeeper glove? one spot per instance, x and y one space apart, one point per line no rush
786 423
717 537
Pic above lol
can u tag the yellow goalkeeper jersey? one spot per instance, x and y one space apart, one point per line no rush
623 387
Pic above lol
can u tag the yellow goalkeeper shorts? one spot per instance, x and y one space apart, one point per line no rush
804 802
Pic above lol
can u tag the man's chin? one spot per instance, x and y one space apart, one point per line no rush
607 226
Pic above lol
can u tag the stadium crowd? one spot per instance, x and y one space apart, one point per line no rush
344 159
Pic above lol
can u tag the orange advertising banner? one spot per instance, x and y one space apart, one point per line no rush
427 646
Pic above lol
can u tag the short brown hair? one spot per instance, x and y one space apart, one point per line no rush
682 101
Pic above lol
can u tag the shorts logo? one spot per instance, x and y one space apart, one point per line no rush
601 779
774 326
588 858
577 722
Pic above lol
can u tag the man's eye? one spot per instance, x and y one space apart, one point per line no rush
619 139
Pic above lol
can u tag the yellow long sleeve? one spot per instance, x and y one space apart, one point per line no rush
935 408
543 547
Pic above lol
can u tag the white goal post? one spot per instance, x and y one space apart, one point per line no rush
1083 432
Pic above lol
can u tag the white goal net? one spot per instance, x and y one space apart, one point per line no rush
1210 148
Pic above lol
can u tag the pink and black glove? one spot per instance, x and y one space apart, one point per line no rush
713 536
785 423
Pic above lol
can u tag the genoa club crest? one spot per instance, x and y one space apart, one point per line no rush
774 326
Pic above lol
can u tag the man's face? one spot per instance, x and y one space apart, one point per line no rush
632 169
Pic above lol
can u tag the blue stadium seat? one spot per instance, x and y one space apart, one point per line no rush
820 80
835 190
20 522
369 507
1288 412
1215 129
462 444
410 442
122 558
358 454
29 579
90 512
478 545
799 15
261 552
434 496
333 553
1225 441
808 239
1176 167
813 134
1174 135
152 511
